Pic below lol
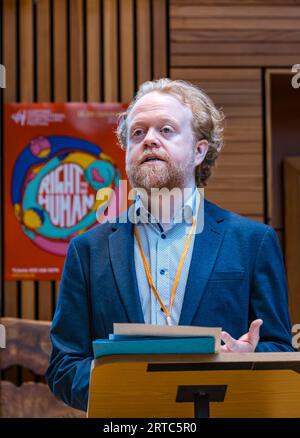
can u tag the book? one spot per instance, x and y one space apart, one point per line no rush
170 331
154 345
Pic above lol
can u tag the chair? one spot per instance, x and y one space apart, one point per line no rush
28 345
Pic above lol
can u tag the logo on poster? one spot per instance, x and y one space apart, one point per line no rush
55 181
37 117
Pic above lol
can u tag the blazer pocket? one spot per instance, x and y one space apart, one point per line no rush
227 275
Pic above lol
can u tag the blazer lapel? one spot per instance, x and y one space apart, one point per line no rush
206 247
121 251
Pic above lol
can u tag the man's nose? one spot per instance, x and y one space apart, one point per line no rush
150 139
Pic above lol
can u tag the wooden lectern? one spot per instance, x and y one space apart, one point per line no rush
222 385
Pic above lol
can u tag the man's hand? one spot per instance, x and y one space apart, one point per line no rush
246 343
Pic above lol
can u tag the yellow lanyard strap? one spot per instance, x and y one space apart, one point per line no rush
179 269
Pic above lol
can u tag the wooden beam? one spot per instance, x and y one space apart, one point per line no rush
94 55
110 51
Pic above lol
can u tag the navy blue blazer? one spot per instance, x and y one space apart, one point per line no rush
236 275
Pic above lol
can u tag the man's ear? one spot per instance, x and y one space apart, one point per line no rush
201 149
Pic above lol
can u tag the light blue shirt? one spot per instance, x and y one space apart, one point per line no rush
163 250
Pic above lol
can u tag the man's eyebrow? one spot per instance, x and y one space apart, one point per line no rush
164 119
170 120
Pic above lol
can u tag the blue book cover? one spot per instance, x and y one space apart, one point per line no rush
154 345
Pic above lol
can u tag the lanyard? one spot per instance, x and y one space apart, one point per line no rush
178 273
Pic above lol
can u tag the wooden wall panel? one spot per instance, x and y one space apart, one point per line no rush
144 50
59 35
282 122
10 49
210 33
26 51
237 182
93 48
77 61
292 233
222 44
43 44
127 50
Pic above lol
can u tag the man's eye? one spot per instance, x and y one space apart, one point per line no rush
137 133
167 130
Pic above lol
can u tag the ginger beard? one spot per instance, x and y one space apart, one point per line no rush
165 174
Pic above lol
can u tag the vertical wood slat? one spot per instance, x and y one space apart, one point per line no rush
76 51
45 301
10 95
260 33
143 41
26 95
60 50
10 299
43 50
26 51
269 181
110 51
94 55
10 49
127 50
159 39
44 95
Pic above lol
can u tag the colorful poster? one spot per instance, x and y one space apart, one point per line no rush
56 158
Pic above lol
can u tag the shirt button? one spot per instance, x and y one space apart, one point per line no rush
162 271
163 236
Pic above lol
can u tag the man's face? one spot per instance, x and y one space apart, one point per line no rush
161 149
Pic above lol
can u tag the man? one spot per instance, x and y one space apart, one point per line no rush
229 274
